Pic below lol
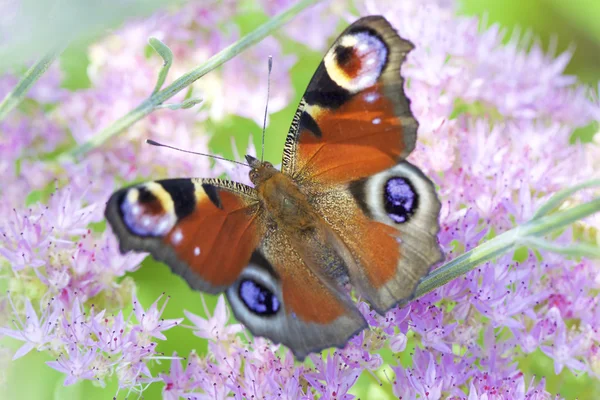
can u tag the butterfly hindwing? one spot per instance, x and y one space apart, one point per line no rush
279 297
204 229
393 240
354 119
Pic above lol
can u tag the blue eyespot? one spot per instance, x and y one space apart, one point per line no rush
400 199
143 213
258 298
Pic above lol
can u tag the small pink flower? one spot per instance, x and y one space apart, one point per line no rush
77 364
565 348
333 377
150 322
35 332
422 380
112 332
179 381
433 329
216 326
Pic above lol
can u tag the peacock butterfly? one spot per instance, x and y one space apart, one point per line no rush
346 207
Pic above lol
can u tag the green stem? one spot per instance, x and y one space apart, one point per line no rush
15 96
147 106
558 198
503 243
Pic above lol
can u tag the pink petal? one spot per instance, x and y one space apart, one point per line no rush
58 366
31 315
26 348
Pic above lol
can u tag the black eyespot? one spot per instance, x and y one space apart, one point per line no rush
400 199
146 196
257 298
343 54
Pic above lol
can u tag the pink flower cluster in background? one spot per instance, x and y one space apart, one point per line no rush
495 128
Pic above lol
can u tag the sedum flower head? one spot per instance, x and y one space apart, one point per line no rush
496 122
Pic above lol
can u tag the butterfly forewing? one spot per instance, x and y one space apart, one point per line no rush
354 119
204 229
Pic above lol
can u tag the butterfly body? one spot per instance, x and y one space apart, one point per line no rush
287 209
345 208
281 199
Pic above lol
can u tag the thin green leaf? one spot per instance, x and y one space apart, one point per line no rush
468 261
556 200
167 55
506 242
189 103
15 96
574 250
150 104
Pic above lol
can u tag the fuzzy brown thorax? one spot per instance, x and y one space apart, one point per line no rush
287 206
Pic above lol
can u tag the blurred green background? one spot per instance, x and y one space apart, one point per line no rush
568 23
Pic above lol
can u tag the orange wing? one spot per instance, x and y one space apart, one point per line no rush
354 119
278 296
204 229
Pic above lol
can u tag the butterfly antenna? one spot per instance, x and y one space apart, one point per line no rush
155 143
262 155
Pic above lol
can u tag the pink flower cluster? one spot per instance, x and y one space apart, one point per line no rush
495 126
93 345
59 269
